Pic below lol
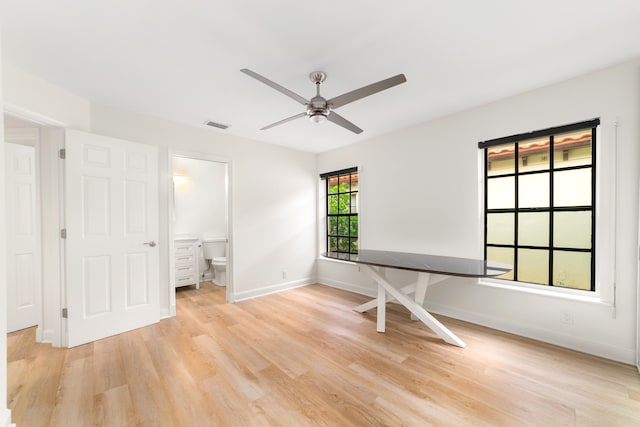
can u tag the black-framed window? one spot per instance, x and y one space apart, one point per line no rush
539 205
342 210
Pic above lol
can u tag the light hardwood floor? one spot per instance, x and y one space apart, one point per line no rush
304 358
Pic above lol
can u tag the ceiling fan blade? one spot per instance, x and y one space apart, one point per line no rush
276 86
341 121
288 119
354 95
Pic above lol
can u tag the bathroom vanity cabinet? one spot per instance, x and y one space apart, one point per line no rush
187 253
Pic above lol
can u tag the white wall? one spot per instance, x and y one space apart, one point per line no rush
200 199
420 192
29 96
273 207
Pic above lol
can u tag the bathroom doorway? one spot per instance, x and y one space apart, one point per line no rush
199 223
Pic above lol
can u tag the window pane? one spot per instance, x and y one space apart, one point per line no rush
572 229
501 159
333 204
533 229
533 266
333 244
343 244
503 255
343 226
353 226
354 246
501 193
533 154
354 182
572 188
533 190
333 184
500 228
344 203
333 225
345 184
354 202
572 148
572 269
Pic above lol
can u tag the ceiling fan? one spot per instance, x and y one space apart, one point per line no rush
319 108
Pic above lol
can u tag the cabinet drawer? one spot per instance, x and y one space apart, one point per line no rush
184 250
184 259
185 270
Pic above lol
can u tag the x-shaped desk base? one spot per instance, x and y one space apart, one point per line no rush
414 305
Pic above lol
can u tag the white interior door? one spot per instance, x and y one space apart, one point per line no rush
23 260
111 212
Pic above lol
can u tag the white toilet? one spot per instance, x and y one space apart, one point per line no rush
213 249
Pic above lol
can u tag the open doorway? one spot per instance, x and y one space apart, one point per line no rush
200 248
37 291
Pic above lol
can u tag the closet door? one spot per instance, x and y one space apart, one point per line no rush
23 261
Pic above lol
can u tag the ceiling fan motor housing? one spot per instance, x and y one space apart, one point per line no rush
317 109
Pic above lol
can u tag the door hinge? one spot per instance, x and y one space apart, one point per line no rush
65 313
63 233
62 153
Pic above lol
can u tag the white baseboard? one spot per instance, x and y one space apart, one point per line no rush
552 337
5 418
362 290
271 289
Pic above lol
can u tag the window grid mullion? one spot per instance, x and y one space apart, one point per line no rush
552 165
517 209
349 220
593 208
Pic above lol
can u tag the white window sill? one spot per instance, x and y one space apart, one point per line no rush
559 293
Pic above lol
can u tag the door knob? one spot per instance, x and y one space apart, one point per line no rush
151 243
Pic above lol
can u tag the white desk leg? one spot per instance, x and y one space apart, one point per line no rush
421 290
374 302
382 308
422 314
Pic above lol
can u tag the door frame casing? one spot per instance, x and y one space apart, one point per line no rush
171 209
51 169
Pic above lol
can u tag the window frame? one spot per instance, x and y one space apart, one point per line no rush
327 235
551 209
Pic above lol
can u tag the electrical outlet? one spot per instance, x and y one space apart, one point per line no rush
566 317
284 274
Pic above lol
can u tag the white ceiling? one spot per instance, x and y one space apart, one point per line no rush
180 60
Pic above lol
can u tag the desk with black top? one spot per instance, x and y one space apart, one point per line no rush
375 263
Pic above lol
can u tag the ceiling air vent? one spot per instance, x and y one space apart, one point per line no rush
215 125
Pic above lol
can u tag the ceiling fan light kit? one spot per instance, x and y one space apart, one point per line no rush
318 108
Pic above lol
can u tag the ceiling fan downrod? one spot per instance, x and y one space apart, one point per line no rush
317 109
